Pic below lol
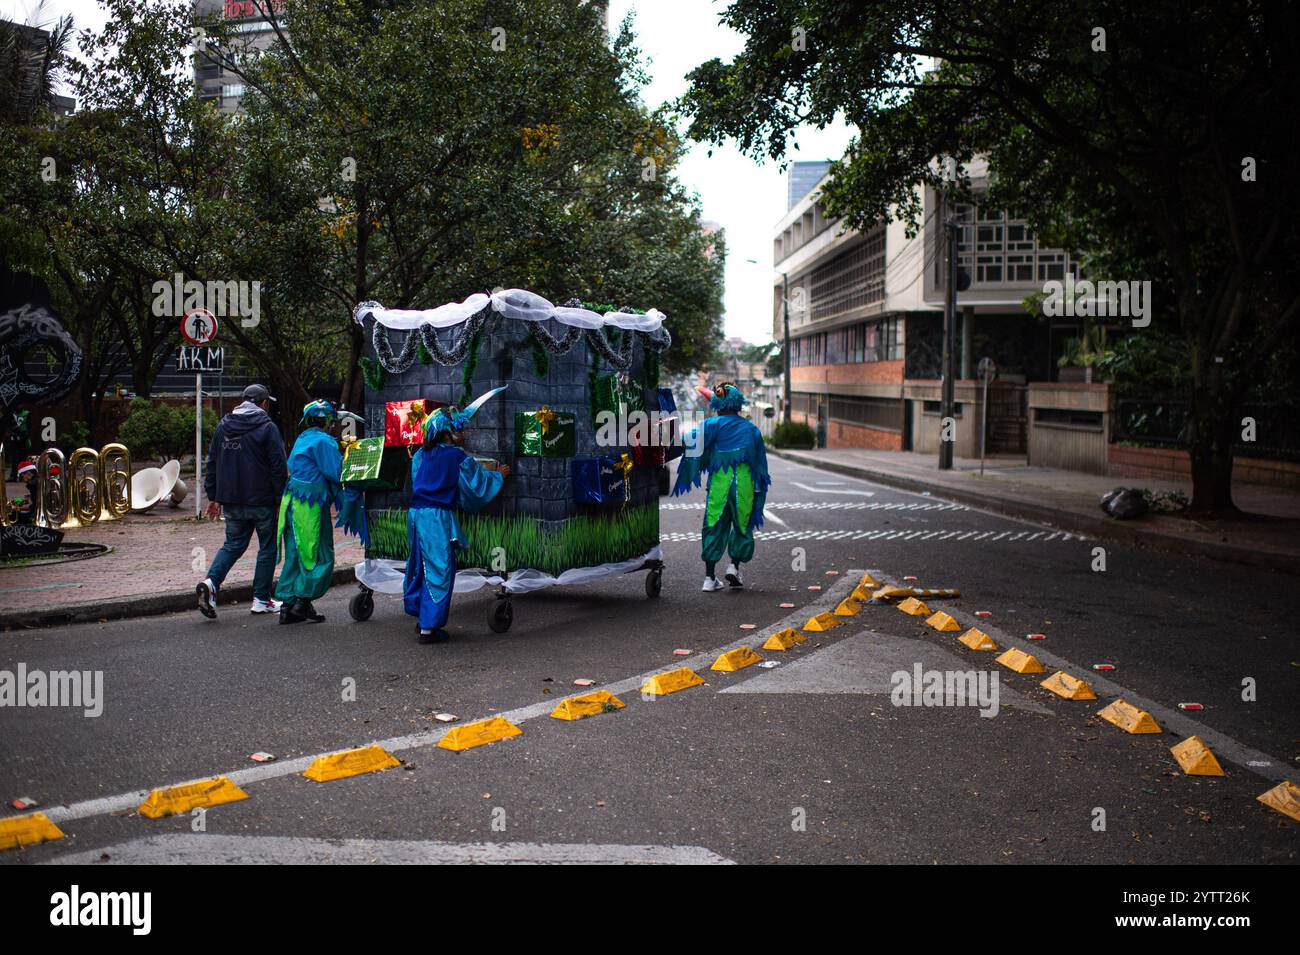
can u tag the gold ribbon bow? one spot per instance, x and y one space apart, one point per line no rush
416 414
545 417
348 444
625 464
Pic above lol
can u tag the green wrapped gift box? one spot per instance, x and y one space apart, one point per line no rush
545 434
610 392
369 465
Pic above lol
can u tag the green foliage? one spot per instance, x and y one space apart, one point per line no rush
156 431
372 372
470 367
793 434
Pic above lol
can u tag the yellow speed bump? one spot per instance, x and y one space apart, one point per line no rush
942 622
914 608
1020 661
823 621
352 762
977 640
478 734
1129 718
27 830
178 799
1195 758
661 684
784 639
1284 797
848 607
589 704
736 659
1069 687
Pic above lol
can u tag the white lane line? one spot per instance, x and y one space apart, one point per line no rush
769 514
123 802
183 848
833 490
1176 721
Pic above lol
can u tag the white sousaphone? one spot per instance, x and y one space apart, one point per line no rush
151 485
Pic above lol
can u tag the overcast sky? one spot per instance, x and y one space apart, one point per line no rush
746 198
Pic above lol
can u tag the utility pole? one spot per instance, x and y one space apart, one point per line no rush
785 347
949 338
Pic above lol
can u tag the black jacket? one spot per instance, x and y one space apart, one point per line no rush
246 463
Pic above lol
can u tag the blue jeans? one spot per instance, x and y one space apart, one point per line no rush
241 521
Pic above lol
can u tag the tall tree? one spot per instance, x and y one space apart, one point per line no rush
1148 132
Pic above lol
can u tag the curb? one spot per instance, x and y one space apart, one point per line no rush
141 605
1100 528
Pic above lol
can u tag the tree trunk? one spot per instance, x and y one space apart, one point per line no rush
1214 431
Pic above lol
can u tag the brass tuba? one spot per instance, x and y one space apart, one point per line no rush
114 481
51 489
83 487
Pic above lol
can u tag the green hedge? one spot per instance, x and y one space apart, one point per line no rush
793 434
156 431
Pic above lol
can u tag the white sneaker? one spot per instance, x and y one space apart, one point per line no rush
207 597
265 606
711 584
733 576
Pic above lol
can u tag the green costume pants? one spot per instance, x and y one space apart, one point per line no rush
308 570
726 517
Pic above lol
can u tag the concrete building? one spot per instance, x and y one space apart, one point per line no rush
866 322
252 22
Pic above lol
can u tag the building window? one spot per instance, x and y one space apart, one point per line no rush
850 280
995 250
883 413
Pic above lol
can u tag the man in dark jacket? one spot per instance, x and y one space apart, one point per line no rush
245 475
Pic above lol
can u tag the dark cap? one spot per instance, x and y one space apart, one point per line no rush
257 394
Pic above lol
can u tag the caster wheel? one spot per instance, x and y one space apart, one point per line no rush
500 616
654 582
362 605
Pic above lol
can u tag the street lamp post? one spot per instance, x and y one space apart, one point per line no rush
949 344
785 348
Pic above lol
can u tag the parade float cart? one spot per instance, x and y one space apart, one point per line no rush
576 508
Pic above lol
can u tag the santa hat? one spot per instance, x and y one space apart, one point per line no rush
24 467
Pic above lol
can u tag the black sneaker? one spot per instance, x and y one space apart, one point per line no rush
305 611
207 600
425 637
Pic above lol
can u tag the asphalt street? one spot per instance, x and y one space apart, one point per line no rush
806 761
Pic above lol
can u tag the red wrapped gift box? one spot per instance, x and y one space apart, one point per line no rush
404 421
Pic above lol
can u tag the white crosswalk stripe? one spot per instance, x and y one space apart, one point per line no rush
671 537
830 506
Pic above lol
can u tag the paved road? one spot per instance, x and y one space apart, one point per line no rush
804 762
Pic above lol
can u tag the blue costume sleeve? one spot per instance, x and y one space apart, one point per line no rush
762 479
690 466
478 485
352 514
325 454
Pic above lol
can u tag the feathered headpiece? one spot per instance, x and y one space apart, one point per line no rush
320 408
724 397
451 418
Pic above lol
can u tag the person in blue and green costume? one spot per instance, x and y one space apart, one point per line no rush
444 478
304 533
731 450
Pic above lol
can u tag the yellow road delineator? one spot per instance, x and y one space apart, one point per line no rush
861 594
914 608
736 659
1195 758
942 622
848 607
977 640
1284 797
866 580
1129 718
661 684
1021 662
175 800
589 704
1069 687
784 639
823 621
478 734
27 830
351 762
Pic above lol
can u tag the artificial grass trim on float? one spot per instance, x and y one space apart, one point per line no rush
579 541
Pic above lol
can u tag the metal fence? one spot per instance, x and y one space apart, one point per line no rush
1158 421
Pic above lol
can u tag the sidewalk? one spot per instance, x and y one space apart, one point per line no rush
1071 500
150 570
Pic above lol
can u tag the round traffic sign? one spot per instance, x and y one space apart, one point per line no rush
199 326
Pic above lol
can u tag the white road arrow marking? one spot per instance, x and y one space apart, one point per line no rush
833 490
